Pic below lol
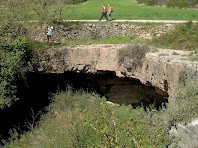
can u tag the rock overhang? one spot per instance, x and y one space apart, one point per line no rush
160 68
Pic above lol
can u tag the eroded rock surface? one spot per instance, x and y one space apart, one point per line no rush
188 134
160 67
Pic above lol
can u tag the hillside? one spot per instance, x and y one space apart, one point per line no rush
97 84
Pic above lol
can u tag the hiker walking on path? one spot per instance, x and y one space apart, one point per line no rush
104 12
49 35
110 10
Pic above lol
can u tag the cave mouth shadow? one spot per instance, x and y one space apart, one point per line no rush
35 90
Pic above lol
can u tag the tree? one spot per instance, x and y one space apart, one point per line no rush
48 11
11 10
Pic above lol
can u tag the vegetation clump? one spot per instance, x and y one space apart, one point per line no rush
81 119
12 58
132 56
183 37
171 3
43 11
184 103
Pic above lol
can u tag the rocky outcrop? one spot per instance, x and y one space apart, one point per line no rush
187 135
160 68
159 72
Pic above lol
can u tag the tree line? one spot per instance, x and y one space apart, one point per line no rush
14 49
40 10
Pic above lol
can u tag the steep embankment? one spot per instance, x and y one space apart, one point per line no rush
160 67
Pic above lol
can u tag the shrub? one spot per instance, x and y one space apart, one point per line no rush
177 3
170 3
151 2
141 1
184 37
44 11
12 59
184 106
81 119
148 2
78 1
183 77
132 56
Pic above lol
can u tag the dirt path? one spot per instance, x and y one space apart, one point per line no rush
141 21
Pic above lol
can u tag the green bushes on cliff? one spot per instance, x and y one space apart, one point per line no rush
184 104
81 119
184 107
132 56
12 58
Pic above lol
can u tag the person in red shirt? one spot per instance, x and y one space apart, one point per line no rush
104 12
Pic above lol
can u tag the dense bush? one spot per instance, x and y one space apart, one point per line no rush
183 37
184 107
170 3
151 2
80 119
132 56
77 1
148 2
44 11
177 3
12 58
84 120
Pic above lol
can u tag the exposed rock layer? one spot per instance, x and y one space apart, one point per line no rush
188 134
159 69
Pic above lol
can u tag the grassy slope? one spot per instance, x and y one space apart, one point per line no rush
126 9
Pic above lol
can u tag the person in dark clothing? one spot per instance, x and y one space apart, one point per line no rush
104 12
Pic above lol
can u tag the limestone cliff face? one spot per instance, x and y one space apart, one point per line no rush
159 69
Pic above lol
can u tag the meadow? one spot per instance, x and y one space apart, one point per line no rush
127 9
50 12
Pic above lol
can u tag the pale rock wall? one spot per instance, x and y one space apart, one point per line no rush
159 69
187 133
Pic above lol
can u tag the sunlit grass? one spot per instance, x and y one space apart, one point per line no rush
126 9
106 40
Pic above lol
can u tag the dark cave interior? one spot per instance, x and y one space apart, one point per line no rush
35 90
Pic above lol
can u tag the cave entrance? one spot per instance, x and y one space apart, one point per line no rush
117 90
35 91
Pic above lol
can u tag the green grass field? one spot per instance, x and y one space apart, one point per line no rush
127 9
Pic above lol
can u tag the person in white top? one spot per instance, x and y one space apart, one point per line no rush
49 35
